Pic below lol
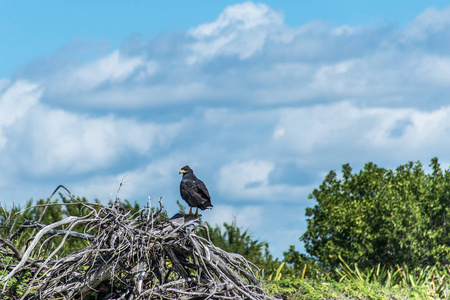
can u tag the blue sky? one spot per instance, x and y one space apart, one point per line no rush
260 99
29 29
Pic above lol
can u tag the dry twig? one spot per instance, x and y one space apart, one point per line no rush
136 257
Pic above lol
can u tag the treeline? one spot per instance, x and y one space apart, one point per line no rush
381 216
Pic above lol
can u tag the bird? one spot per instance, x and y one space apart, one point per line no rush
194 191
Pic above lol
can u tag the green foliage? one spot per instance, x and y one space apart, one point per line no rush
18 284
381 216
435 279
181 207
301 265
299 276
295 288
352 282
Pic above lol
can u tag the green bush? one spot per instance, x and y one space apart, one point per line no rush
381 216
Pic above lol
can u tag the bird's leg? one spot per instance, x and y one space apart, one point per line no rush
196 213
190 211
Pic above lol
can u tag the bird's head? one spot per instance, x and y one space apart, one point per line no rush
185 170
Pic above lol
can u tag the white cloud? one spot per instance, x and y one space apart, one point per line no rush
272 107
249 180
344 132
433 70
244 16
344 30
429 22
54 140
143 97
3 84
248 216
15 101
307 129
239 175
114 69
305 64
155 179
241 30
419 132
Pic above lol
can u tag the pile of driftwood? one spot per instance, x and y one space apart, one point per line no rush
130 257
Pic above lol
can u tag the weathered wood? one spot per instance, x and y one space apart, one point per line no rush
137 258
78 235
33 244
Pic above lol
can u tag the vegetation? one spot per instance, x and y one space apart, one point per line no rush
313 289
128 255
351 282
381 216
379 232
107 251
346 282
374 234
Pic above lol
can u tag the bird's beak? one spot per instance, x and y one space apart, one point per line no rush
182 172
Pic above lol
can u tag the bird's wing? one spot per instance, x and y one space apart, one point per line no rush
202 189
186 188
190 193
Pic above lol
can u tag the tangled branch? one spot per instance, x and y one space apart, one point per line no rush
133 257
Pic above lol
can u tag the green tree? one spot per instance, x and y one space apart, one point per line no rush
381 216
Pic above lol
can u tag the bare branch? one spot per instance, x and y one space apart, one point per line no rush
35 242
56 232
135 257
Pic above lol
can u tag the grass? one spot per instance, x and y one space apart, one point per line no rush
295 288
350 282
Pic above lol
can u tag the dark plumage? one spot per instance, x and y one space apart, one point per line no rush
194 191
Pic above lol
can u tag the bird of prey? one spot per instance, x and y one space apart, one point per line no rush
194 191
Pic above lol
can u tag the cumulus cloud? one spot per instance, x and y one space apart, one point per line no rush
112 69
248 55
53 139
351 133
429 22
250 180
240 30
248 217
154 179
260 222
260 109
15 101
